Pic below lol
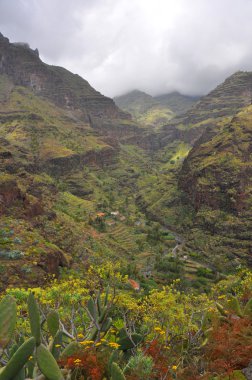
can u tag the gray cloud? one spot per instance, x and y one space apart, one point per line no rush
154 45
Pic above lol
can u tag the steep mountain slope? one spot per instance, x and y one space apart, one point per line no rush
223 102
65 89
144 108
217 178
56 135
210 204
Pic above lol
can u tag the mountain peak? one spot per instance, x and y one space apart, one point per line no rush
23 67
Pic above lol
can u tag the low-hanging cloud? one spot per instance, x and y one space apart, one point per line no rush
157 46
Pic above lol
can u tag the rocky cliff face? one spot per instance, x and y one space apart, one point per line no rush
24 67
217 178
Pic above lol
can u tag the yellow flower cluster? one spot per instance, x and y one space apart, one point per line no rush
86 342
159 330
114 345
211 309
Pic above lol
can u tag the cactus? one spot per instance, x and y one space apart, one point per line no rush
98 315
92 308
21 375
93 334
56 345
18 360
106 296
30 367
113 357
53 322
106 325
116 372
8 315
44 361
34 317
235 307
220 308
47 364
99 304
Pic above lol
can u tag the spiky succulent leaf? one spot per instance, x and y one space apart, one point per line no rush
106 325
47 364
18 360
56 345
106 296
53 322
92 308
34 317
8 317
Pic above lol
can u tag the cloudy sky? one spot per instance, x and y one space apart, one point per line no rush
154 45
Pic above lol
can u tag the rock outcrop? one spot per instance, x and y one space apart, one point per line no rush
24 67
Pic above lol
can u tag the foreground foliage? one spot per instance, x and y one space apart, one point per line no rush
118 334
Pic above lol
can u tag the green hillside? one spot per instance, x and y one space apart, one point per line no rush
144 108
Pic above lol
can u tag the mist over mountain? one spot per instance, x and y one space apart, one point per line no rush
157 47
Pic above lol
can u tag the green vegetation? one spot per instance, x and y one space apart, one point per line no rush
119 334
145 109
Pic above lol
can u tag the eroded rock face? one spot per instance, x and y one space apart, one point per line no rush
9 193
33 273
217 172
217 179
52 261
68 90
65 165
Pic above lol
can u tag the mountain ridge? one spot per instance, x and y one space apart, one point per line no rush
154 110
65 89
